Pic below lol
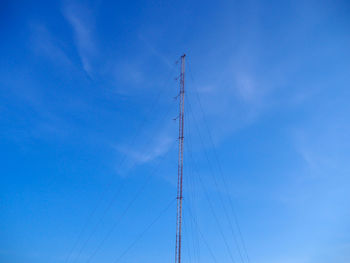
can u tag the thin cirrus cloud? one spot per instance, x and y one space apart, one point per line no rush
236 92
81 20
323 149
44 43
145 154
246 87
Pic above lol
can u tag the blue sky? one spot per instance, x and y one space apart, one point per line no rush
88 140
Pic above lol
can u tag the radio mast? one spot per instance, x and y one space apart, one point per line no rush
180 162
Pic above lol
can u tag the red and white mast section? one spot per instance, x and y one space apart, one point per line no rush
180 162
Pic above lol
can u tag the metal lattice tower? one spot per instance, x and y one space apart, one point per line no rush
180 162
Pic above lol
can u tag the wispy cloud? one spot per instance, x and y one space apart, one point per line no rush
155 51
140 156
323 148
230 102
246 87
44 43
140 153
129 77
82 21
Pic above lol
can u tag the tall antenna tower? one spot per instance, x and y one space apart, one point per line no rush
180 162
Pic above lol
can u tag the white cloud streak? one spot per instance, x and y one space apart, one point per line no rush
81 20
44 43
159 148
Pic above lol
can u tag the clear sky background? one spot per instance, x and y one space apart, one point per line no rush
89 144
